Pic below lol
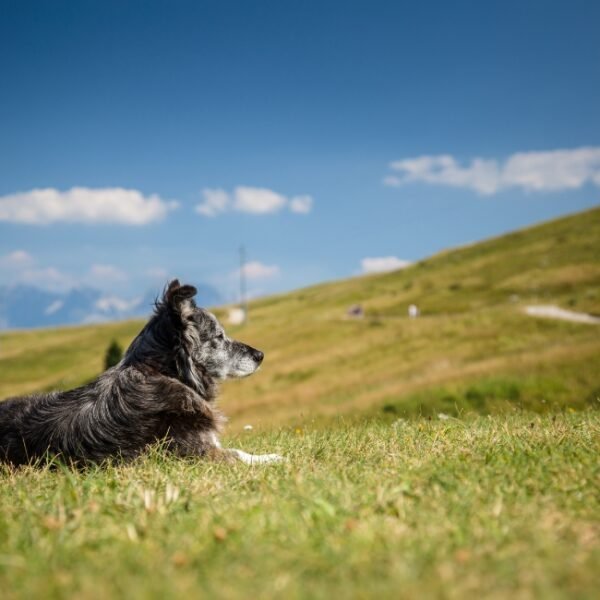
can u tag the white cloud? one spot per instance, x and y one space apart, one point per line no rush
552 170
301 204
83 205
108 304
157 273
18 259
380 264
557 170
215 201
54 307
258 201
110 307
481 175
48 278
105 275
258 270
52 279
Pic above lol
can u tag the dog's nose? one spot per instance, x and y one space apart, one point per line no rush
258 356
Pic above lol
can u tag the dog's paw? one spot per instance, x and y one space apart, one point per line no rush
257 459
267 458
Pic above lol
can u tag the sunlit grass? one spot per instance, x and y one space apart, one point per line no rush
424 508
394 484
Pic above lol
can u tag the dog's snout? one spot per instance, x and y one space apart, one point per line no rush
258 356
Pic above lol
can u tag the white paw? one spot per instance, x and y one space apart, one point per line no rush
267 458
257 459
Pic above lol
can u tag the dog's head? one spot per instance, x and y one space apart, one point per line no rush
187 342
201 345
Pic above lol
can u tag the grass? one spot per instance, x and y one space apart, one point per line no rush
454 455
450 508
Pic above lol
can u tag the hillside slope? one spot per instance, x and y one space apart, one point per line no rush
473 347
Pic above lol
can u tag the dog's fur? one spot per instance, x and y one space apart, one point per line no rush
164 389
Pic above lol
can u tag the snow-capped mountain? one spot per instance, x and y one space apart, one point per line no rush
23 306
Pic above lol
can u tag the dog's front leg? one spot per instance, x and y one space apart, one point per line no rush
233 454
255 459
230 455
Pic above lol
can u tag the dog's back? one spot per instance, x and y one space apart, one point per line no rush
118 415
68 424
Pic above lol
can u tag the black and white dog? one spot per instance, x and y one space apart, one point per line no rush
164 389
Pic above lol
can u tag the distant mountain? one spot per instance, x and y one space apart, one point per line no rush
24 306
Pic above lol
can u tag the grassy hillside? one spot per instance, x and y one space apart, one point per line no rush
453 505
473 348
474 508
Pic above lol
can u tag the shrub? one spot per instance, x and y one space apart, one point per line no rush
114 353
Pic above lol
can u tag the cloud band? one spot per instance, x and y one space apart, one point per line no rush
547 171
84 205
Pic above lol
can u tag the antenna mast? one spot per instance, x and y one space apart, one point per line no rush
243 302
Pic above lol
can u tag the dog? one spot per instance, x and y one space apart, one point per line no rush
163 390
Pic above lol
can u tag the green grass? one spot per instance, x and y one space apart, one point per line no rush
482 506
451 456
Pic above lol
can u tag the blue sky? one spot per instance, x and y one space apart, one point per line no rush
317 134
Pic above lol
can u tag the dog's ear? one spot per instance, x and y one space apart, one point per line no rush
178 296
178 299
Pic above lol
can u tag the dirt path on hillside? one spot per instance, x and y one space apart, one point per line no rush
551 311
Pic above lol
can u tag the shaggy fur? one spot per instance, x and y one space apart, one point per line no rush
164 389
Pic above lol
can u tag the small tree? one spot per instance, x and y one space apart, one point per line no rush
114 354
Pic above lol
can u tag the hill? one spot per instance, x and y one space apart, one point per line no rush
439 507
472 348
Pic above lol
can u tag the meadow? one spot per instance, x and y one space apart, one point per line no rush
444 508
453 455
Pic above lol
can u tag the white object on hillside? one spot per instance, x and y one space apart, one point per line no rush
248 427
555 312
236 316
413 311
